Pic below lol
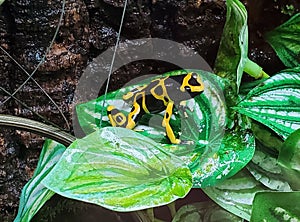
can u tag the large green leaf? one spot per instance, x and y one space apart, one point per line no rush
275 103
286 42
214 154
233 51
289 159
276 206
35 194
208 111
204 211
236 193
121 170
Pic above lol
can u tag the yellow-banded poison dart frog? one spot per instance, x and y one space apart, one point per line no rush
159 95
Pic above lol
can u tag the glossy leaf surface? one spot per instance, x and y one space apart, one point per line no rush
35 194
286 42
204 211
236 194
213 155
276 206
233 50
275 103
289 159
265 169
121 170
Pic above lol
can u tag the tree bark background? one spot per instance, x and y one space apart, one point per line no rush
88 28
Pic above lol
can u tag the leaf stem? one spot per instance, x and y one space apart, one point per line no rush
254 70
37 127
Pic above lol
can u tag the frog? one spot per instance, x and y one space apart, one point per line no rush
165 93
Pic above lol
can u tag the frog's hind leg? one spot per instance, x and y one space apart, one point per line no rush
166 124
119 119
116 117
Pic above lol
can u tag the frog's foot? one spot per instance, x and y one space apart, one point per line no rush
183 108
187 142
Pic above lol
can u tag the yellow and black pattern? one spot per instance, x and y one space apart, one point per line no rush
159 95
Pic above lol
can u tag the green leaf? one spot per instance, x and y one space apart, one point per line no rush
236 193
35 194
204 211
289 155
1 1
275 103
267 138
265 169
214 154
233 50
209 103
276 206
286 42
289 159
121 170
235 150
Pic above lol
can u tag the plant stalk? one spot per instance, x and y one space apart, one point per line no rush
255 70
37 127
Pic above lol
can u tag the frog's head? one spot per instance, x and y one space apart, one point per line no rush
192 83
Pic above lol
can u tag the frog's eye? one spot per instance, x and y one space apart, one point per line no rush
194 75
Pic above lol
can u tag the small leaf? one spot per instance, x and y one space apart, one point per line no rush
289 155
267 138
120 170
35 194
233 50
204 211
235 150
276 206
265 169
289 159
286 42
275 103
236 193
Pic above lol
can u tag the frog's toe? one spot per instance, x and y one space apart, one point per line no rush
187 142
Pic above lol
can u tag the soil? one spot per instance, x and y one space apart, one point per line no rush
88 29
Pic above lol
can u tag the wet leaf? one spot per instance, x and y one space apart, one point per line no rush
236 193
233 51
267 138
213 155
204 211
275 103
209 110
289 159
121 170
235 150
35 194
276 206
285 41
265 169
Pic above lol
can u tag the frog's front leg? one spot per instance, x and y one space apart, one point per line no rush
117 118
166 124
